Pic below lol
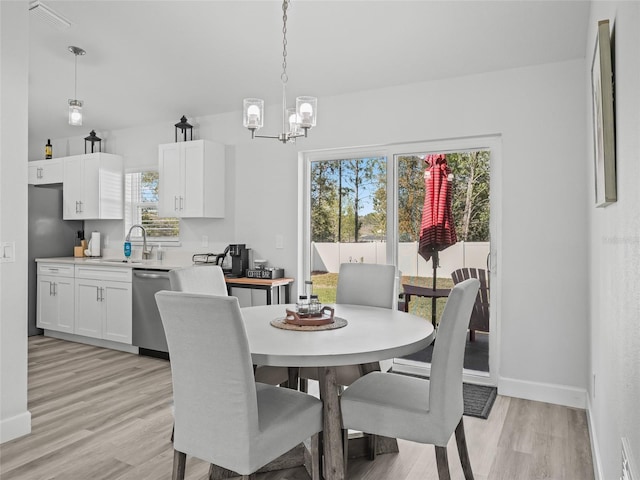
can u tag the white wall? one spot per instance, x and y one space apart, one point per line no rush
614 255
15 419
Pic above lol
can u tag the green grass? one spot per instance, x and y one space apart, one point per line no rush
324 285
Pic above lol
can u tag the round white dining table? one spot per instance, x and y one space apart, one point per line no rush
371 334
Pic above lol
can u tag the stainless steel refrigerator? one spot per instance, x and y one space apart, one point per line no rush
49 236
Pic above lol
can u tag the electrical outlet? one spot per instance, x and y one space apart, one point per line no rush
205 241
106 240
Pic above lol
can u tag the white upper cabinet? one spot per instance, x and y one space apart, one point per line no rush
93 187
191 179
42 172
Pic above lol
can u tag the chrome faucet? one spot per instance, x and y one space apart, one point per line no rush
146 254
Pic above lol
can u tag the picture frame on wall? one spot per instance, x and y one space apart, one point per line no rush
604 118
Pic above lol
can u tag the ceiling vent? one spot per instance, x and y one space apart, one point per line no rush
48 15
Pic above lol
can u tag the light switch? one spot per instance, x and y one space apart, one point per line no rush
279 241
8 253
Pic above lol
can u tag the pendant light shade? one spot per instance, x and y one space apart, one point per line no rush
306 108
253 113
75 113
75 105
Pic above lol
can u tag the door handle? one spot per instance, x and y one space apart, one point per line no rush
175 203
97 294
101 294
50 288
55 289
181 203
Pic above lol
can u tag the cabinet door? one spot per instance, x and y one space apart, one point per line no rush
72 189
90 207
89 308
193 197
117 306
65 295
170 186
46 308
45 171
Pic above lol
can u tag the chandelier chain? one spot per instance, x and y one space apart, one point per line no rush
75 78
284 77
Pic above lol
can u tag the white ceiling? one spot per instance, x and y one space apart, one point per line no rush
153 61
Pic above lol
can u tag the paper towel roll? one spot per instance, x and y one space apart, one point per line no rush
95 244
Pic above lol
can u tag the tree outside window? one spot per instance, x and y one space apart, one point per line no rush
141 207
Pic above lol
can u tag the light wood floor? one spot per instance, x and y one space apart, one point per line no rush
102 414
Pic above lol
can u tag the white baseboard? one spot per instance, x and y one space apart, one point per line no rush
543 392
16 426
96 342
595 449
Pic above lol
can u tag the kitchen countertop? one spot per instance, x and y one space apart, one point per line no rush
117 262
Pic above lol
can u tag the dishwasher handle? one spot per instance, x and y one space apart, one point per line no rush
147 274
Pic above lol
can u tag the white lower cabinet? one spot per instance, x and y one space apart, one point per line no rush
104 303
55 307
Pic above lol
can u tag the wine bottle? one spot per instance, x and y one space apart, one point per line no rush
48 150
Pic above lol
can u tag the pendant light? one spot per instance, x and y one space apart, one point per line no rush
295 121
75 105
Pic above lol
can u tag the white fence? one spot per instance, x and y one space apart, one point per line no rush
327 257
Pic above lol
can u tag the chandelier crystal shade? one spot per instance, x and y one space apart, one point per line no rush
75 105
296 121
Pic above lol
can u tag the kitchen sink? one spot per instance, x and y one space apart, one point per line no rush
115 260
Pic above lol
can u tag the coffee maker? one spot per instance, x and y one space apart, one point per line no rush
239 254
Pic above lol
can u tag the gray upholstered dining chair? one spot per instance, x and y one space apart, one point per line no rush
415 409
360 284
223 416
209 280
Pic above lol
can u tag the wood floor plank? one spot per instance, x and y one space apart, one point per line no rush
100 414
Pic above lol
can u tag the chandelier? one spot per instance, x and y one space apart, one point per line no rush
75 105
297 121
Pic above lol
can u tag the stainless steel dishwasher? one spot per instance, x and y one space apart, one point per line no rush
148 334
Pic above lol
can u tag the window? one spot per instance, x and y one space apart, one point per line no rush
141 207
348 217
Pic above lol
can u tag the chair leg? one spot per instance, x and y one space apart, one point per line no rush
345 449
179 465
443 463
316 457
321 455
373 445
293 378
173 431
303 385
472 335
463 452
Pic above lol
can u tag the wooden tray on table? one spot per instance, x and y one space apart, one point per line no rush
324 317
